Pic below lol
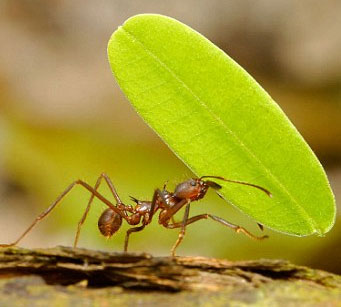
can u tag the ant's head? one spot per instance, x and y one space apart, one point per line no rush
194 188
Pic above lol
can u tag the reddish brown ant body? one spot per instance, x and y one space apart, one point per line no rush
168 203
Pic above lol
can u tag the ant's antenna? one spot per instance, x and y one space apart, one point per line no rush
240 182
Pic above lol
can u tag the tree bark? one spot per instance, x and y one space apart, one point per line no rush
65 276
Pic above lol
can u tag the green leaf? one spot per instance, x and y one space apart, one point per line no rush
219 121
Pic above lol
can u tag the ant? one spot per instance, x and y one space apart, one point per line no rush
169 203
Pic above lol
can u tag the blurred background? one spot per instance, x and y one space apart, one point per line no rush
63 117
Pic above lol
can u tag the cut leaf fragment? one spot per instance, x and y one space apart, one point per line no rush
220 121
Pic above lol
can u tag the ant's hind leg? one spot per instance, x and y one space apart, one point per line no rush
85 214
129 231
40 217
57 201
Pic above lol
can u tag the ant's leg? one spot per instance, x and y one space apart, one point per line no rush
164 188
85 214
236 228
153 207
171 211
189 221
56 202
157 193
129 231
111 187
183 230
98 182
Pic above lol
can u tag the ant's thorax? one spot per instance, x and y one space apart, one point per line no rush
167 200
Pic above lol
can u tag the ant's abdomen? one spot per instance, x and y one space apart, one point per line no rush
109 222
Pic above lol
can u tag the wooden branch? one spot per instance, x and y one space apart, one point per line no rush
88 273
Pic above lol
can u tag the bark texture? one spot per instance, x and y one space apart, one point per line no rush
65 276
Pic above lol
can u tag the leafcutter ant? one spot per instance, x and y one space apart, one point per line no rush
168 203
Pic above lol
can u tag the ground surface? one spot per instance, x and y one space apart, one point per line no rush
65 276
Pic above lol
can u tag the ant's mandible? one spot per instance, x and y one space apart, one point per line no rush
169 203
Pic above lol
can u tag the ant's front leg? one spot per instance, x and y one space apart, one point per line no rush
169 213
164 188
183 230
236 228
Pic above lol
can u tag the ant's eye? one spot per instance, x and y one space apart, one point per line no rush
193 183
